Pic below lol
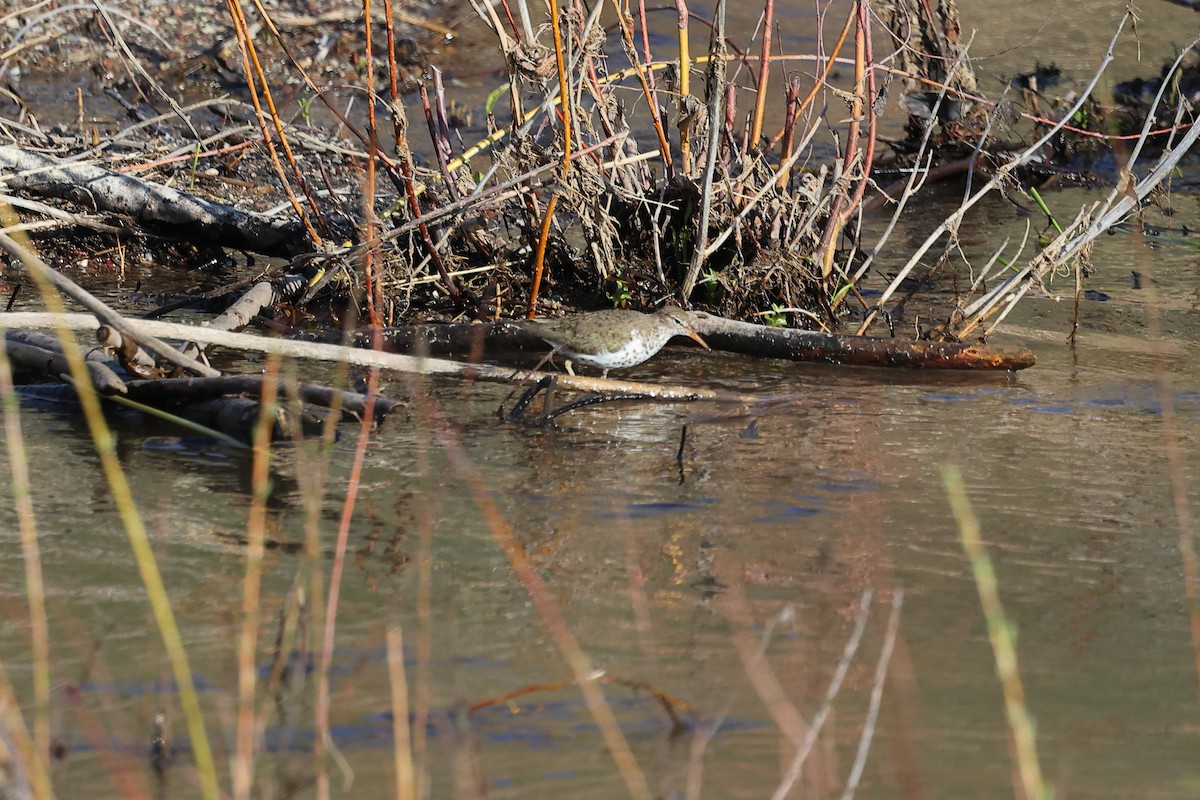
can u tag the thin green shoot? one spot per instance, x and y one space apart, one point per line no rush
1003 636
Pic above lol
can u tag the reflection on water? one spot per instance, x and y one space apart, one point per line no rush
674 564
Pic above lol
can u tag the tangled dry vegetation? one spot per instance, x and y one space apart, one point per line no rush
613 175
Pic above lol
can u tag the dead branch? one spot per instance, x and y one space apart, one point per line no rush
743 337
259 296
177 390
864 351
54 364
159 210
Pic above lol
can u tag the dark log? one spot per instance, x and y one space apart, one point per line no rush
191 390
238 417
55 365
736 337
863 351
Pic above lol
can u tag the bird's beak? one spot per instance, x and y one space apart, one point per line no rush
696 338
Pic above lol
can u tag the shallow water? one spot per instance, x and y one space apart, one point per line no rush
673 567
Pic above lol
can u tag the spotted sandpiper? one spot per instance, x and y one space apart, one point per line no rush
613 339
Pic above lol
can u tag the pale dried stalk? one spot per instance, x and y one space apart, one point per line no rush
1003 174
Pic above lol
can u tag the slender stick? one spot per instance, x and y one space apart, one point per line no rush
540 258
563 84
764 74
35 586
716 95
881 671
1003 638
339 563
247 731
842 206
685 83
835 686
402 754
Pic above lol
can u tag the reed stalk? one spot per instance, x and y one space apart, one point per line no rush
324 736
402 754
35 585
256 80
247 729
1003 638
764 74
645 81
582 670
715 89
564 94
685 84
842 205
35 781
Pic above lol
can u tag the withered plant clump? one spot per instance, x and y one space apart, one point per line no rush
608 174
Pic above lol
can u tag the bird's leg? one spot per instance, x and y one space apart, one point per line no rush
570 371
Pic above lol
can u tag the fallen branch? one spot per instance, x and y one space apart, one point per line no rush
178 390
258 297
160 210
743 337
863 351
54 365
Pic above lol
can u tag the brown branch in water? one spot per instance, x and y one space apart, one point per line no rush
174 390
867 351
52 363
677 709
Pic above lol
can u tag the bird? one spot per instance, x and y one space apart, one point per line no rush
613 339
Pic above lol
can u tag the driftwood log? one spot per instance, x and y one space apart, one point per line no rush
740 337
862 351
53 364
176 390
157 209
